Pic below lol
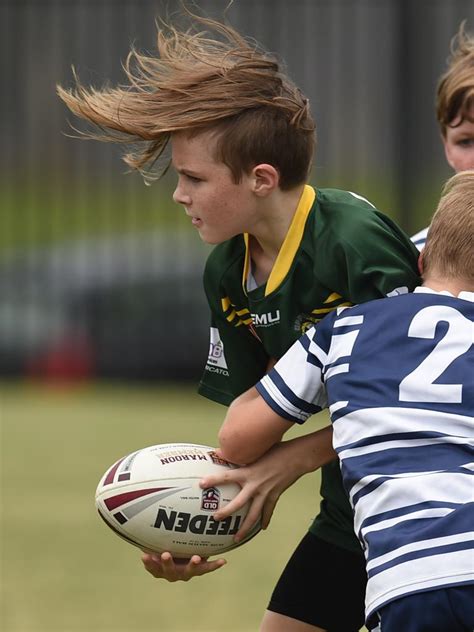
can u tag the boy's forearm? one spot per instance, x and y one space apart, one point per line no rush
250 429
313 450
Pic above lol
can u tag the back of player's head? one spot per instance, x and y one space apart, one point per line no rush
455 92
449 250
204 80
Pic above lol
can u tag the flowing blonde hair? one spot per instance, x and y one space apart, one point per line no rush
213 79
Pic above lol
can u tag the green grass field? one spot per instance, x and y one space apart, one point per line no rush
63 570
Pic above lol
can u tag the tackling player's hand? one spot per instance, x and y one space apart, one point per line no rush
264 480
173 570
262 484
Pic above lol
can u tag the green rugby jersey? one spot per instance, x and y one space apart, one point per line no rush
339 250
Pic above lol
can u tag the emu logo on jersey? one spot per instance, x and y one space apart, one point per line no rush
266 320
210 499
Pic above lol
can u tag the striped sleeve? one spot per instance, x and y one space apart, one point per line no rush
294 388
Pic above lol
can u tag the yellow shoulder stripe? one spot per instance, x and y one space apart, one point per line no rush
290 245
292 241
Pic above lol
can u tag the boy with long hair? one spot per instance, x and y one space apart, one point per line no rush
242 139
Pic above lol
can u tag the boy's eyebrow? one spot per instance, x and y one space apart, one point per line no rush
461 133
185 171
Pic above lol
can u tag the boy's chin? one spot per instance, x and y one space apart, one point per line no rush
212 240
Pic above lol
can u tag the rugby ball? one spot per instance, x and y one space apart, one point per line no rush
152 499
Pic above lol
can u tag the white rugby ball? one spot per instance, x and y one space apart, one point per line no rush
152 499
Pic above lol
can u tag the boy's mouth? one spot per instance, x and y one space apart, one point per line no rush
195 221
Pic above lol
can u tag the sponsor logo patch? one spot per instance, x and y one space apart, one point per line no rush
304 321
266 320
216 356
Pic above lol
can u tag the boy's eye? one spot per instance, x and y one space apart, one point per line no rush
193 178
466 142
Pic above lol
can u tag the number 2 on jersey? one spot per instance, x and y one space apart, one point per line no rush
419 386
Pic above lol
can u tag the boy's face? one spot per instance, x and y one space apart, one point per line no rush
459 145
219 209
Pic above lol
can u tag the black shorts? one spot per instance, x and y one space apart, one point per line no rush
323 585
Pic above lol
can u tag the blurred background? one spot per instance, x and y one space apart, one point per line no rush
89 256
103 321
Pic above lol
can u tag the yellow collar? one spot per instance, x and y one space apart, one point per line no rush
289 247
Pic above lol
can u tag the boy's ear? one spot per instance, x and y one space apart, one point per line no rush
420 263
265 179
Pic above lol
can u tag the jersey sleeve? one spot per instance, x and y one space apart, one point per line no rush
368 256
236 359
295 388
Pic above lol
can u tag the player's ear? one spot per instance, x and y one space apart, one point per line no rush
420 263
265 179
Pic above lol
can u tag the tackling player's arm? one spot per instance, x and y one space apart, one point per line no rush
250 429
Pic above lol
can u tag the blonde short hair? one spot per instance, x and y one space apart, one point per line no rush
449 250
455 92
208 80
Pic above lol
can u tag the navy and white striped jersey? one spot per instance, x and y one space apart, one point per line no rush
398 377
419 239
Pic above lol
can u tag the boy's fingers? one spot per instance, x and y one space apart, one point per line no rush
234 505
228 476
250 520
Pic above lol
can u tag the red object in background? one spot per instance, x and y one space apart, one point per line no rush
70 359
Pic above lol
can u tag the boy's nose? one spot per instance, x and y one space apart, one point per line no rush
180 198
